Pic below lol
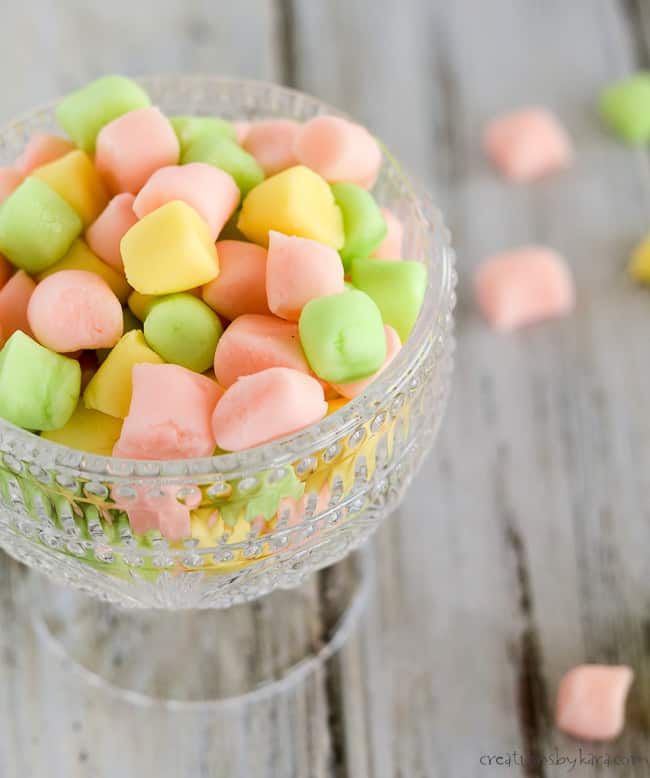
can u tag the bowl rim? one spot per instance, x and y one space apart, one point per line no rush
438 299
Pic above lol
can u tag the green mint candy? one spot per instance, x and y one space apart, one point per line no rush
37 226
189 128
39 389
364 226
397 286
83 113
342 336
625 108
227 155
184 330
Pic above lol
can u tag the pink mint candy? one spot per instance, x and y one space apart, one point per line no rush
240 287
161 511
339 150
132 147
105 233
297 271
393 345
14 299
41 149
253 343
212 192
524 286
527 144
75 309
265 406
391 246
10 178
170 424
271 142
591 701
242 129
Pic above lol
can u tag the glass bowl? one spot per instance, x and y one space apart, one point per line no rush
65 512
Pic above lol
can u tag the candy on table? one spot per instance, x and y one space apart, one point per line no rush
343 336
296 201
639 265
151 250
39 389
129 322
253 343
83 113
14 299
105 233
271 142
591 701
109 390
183 330
212 193
625 108
74 310
240 287
170 424
524 286
88 430
139 304
37 226
6 270
242 128
297 271
398 289
41 149
393 345
10 179
132 147
227 155
80 257
160 511
391 245
339 150
189 128
74 177
363 223
265 406
527 144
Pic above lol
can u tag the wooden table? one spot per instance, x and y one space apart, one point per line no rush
521 549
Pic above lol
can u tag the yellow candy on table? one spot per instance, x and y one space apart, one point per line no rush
296 201
170 250
639 267
88 430
75 178
80 257
334 405
110 389
139 304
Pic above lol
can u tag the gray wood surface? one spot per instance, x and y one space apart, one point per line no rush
522 548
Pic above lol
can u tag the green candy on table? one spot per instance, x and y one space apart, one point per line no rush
189 128
625 108
343 336
39 389
227 155
83 113
364 226
183 330
37 226
396 286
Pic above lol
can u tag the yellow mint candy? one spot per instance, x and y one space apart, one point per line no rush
109 390
88 430
296 201
170 250
76 180
139 304
639 267
80 257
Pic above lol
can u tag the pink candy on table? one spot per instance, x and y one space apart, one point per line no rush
265 406
133 146
10 178
161 511
591 701
170 424
242 129
253 343
523 286
240 287
339 150
75 309
393 345
527 144
271 142
41 149
14 299
297 271
391 245
105 233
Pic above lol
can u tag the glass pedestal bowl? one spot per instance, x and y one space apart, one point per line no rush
263 519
